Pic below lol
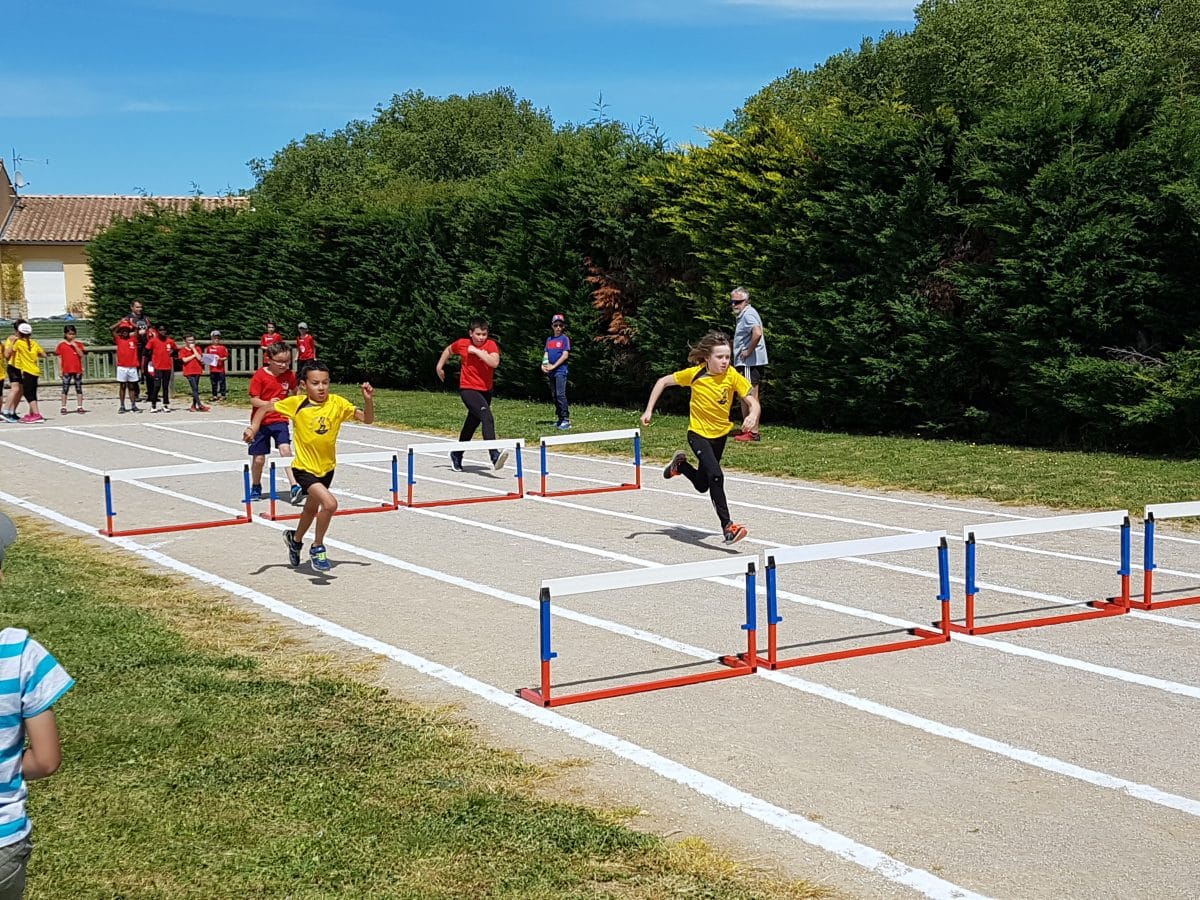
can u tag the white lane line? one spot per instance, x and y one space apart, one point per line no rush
925 883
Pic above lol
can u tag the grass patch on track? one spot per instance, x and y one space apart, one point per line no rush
210 753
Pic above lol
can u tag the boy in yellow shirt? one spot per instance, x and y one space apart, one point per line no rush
713 383
316 416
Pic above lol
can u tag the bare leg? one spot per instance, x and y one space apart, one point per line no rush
319 507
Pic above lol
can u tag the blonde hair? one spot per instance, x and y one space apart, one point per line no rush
703 348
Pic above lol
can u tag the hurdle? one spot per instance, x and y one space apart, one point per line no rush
1154 513
145 472
923 637
443 447
1101 608
558 440
348 459
632 578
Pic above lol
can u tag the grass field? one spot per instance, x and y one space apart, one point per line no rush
211 754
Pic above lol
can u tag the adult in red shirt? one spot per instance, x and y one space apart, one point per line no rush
70 352
216 372
480 357
274 381
159 370
306 349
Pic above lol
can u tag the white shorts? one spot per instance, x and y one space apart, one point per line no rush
128 375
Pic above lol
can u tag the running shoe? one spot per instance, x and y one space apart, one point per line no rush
255 492
122 411
154 409
63 411
672 468
201 408
166 409
134 408
564 425
734 532
499 460
32 419
294 547
456 462
212 399
746 436
81 410
320 561
297 497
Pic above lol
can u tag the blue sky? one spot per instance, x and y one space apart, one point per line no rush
167 96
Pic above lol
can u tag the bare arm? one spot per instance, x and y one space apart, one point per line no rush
751 411
755 337
259 414
561 359
492 359
43 756
655 392
366 415
441 363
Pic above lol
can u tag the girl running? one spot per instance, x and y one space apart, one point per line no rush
713 385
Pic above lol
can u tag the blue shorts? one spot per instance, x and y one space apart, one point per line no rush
277 431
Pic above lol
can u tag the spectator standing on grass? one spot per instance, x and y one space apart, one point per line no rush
25 356
480 358
218 354
749 351
306 349
554 365
713 382
31 682
139 324
128 357
13 400
159 369
270 336
70 352
274 381
193 368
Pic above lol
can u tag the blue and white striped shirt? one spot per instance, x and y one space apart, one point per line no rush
31 681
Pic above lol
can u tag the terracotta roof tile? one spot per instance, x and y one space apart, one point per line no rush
76 219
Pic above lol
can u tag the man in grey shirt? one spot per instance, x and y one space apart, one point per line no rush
749 349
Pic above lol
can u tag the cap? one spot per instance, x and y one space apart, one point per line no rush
214 333
558 317
25 328
303 325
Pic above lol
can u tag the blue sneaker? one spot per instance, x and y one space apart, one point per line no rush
294 546
320 561
297 496
456 462
255 492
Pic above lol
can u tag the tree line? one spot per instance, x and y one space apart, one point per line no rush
987 227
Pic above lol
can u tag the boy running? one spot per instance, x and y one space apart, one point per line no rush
274 381
480 357
70 353
713 385
317 416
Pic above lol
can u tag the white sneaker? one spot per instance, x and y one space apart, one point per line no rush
500 460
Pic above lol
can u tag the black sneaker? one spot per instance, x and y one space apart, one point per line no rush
456 462
672 468
734 532
294 547
499 460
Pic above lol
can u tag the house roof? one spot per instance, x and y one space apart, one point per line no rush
76 219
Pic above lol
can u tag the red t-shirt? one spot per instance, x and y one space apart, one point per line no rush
221 353
70 357
476 375
306 347
266 386
191 366
271 337
160 353
127 353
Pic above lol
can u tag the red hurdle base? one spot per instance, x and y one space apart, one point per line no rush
163 529
273 516
1101 609
575 492
1147 601
924 638
422 504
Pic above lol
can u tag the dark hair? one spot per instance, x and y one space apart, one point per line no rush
279 348
703 348
314 365
188 334
479 323
18 322
68 329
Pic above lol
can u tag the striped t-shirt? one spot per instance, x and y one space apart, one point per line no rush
31 681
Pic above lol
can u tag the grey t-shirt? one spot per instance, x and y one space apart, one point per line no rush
742 335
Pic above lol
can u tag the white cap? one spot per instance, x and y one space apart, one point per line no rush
25 328
303 325
214 333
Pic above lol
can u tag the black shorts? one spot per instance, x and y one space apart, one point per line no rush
14 374
308 479
754 374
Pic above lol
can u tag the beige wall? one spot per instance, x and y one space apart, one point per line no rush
75 269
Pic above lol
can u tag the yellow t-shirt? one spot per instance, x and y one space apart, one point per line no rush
315 427
25 355
712 398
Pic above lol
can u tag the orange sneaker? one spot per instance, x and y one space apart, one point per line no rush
734 532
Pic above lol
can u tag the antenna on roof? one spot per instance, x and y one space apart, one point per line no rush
19 179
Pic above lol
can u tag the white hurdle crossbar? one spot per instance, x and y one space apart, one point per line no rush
140 473
441 447
922 637
1155 513
390 456
633 578
558 440
1047 525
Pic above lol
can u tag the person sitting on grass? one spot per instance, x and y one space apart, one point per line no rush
317 416
70 351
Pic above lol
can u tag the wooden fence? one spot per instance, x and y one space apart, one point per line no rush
100 363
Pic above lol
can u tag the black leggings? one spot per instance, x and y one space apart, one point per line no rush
159 381
479 412
708 478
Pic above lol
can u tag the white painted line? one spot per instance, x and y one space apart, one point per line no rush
1045 525
1174 510
812 833
555 440
630 578
865 547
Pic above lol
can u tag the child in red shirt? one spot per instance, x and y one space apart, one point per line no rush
480 357
193 368
159 370
128 361
306 349
274 381
216 372
270 336
70 363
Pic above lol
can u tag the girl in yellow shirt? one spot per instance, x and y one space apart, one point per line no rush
714 384
23 355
